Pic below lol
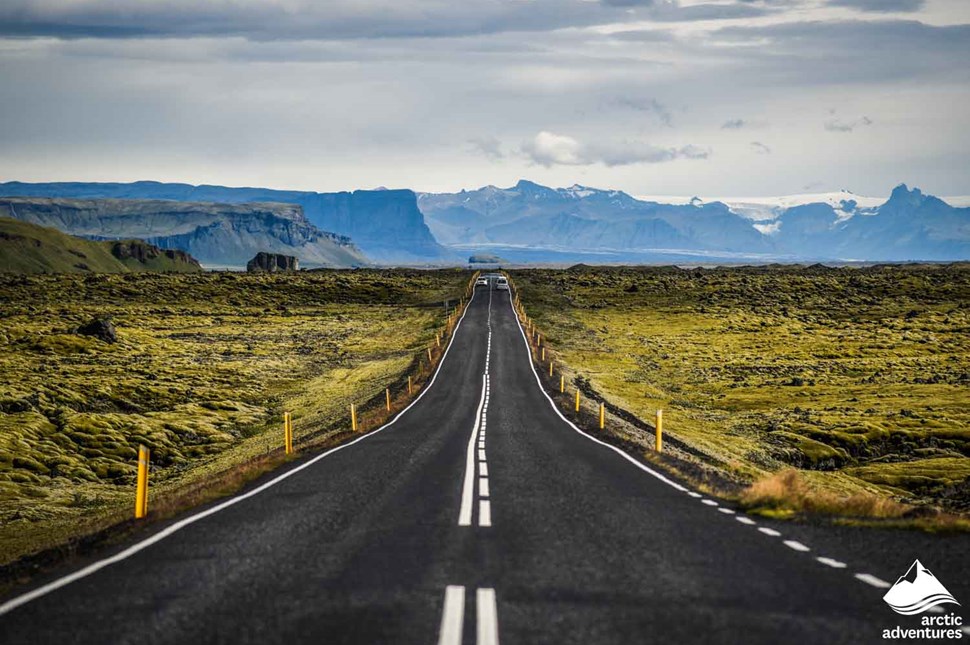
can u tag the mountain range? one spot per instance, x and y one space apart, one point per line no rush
215 234
385 225
572 223
525 223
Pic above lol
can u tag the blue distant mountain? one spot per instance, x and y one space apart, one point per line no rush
385 224
560 224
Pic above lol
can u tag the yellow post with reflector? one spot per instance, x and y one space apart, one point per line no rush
543 353
141 491
437 339
577 399
550 368
410 390
288 433
429 354
353 417
660 431
602 416
387 397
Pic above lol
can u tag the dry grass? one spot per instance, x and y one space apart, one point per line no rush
786 492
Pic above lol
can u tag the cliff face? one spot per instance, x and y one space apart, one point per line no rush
386 224
216 234
29 248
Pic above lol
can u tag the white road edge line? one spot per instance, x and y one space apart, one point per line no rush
555 408
726 511
23 599
771 532
745 520
709 502
452 616
468 487
870 579
487 617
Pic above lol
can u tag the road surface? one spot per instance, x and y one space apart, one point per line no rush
479 515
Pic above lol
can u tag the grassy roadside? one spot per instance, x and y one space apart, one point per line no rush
202 371
795 390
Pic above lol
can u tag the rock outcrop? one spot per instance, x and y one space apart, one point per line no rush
101 328
272 263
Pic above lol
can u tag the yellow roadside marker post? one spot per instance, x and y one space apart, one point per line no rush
660 431
602 416
562 383
543 353
287 433
577 399
550 368
141 492
410 390
429 356
437 339
387 396
353 417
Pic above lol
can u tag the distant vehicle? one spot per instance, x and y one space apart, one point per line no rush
502 284
481 282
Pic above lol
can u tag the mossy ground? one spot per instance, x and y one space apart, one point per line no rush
857 377
203 370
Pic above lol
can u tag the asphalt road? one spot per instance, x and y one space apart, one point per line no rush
480 515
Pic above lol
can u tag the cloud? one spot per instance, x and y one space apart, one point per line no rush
885 6
760 148
838 125
651 106
295 19
489 147
733 124
549 149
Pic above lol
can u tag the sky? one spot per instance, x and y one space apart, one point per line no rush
653 97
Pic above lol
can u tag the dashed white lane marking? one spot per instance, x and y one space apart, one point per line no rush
487 617
484 512
137 547
693 494
771 532
452 616
709 502
483 487
483 469
794 544
726 511
745 520
481 455
835 564
870 579
468 488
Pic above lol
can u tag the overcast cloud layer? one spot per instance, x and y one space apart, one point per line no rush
733 97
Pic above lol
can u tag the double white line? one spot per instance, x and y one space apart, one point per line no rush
453 617
476 446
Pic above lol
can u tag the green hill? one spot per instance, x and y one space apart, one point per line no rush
28 248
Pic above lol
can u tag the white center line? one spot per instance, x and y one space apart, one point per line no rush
487 617
481 455
484 512
468 488
835 564
453 616
771 532
798 546
483 469
870 579
483 487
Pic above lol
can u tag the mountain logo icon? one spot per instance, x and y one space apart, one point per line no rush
917 591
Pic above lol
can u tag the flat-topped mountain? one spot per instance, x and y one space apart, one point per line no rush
29 248
385 224
216 234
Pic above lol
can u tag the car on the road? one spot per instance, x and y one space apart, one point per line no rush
502 284
481 282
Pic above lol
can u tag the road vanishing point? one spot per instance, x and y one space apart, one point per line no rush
480 515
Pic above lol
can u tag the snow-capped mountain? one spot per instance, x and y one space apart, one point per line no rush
580 219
